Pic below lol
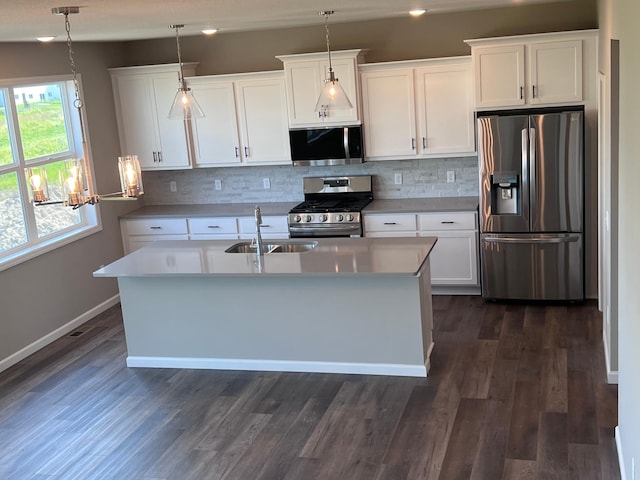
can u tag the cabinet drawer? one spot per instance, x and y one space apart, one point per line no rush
156 226
270 224
447 221
213 225
394 222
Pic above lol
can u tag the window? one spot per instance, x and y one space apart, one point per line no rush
38 128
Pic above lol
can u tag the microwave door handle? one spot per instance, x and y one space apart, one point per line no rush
345 142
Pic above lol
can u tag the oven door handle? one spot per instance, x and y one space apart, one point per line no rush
325 229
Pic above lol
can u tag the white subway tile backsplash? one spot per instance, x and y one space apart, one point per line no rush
420 179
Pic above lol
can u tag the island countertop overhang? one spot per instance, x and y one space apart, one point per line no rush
330 257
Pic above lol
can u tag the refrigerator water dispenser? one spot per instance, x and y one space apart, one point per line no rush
504 193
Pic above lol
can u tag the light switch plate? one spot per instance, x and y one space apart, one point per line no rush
173 186
266 183
451 176
217 184
397 178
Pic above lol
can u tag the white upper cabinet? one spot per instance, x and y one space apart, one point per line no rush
531 70
418 109
245 120
305 75
143 96
445 109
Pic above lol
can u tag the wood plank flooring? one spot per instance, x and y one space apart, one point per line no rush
514 392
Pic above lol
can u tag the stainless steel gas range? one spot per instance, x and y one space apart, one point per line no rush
332 207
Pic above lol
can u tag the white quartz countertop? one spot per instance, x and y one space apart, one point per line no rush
330 257
211 210
423 205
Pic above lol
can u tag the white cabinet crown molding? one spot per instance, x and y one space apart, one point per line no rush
535 37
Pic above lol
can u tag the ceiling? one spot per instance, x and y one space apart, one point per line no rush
121 20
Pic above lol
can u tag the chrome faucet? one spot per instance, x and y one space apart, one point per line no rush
259 245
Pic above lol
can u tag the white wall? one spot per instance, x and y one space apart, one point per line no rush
626 14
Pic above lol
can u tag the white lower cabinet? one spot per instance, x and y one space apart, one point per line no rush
273 226
454 259
136 233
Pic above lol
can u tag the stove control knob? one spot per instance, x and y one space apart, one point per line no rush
308 218
297 218
350 218
323 218
339 218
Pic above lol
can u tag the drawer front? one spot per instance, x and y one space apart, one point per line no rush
447 221
157 226
213 225
270 224
390 223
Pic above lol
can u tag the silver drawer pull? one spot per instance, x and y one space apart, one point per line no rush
390 223
155 228
447 221
264 225
213 226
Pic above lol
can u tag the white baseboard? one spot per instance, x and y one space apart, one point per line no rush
612 375
623 473
279 366
455 290
57 333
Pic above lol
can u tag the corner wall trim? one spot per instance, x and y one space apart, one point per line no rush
57 333
612 375
623 473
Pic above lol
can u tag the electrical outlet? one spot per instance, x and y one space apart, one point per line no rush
217 184
451 176
266 183
397 178
173 186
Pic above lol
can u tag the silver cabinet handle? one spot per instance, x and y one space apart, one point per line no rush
447 221
521 92
159 157
213 226
424 142
246 151
413 144
155 157
265 225
155 228
533 91
390 223
237 152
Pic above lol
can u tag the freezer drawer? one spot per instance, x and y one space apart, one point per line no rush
532 267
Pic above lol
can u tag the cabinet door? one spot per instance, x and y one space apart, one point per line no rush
138 124
499 76
454 258
345 71
389 119
262 114
216 135
171 131
303 88
555 72
445 110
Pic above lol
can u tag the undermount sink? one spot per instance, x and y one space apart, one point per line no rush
248 247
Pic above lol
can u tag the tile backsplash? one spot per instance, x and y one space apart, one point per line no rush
420 178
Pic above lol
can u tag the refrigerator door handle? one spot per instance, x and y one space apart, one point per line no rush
568 239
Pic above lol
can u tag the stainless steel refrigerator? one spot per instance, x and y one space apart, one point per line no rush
531 205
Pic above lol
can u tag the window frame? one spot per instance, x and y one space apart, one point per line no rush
90 215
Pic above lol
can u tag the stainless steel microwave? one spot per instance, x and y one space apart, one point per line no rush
326 146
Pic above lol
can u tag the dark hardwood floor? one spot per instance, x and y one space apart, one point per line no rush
514 392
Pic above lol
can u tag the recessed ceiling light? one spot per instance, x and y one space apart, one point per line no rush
417 12
45 38
209 31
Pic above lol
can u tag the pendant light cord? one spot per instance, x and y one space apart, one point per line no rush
326 28
183 85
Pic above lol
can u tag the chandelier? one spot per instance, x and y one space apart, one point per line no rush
75 177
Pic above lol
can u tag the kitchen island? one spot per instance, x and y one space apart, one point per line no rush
336 305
